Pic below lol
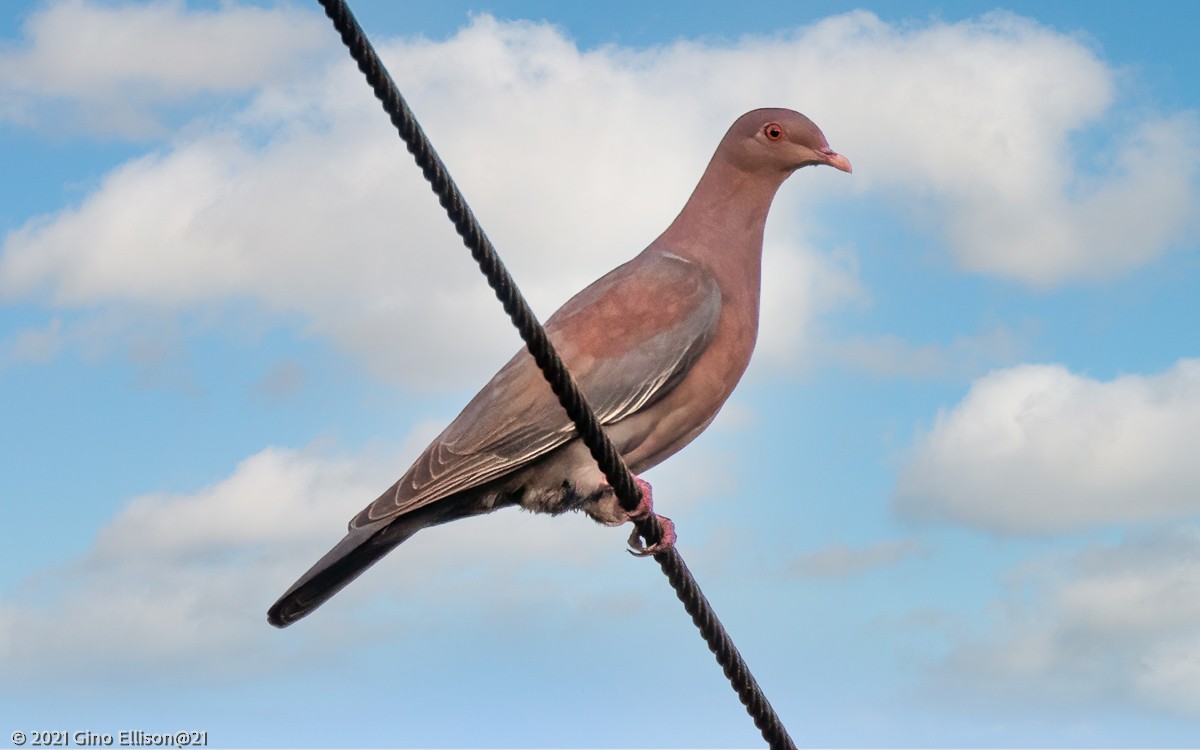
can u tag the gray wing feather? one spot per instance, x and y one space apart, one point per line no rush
516 418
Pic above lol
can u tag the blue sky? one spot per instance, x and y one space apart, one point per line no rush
953 503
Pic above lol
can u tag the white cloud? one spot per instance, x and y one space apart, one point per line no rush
108 68
799 284
1047 238
180 583
274 496
304 203
842 561
971 126
1114 623
216 218
1038 449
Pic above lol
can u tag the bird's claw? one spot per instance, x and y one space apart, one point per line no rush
644 511
638 548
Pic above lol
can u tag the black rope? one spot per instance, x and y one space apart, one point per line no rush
560 379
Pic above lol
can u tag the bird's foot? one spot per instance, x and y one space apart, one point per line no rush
645 509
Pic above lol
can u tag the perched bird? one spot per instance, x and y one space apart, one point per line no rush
656 346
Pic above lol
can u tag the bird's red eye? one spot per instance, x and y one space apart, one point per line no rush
773 131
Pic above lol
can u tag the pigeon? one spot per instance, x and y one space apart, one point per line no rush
656 345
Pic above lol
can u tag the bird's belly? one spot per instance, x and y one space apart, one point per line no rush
565 479
569 479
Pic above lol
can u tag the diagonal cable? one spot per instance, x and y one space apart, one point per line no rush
556 374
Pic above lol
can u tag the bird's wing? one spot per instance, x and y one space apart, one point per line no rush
628 339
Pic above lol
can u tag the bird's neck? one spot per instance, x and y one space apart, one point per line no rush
721 226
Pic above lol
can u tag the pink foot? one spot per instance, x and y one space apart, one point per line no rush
644 510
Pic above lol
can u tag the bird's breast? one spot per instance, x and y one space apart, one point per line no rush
657 432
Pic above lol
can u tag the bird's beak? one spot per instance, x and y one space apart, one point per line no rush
836 160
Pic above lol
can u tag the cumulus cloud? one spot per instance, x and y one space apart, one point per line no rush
982 117
1037 449
181 582
1113 623
303 203
328 218
842 561
1080 228
110 68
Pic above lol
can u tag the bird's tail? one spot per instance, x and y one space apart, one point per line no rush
358 550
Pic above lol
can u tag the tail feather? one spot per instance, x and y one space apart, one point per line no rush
358 550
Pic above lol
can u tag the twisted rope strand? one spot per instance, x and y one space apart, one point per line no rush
590 431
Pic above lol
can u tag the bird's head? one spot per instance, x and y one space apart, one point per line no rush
767 139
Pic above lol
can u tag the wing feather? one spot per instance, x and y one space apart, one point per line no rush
613 339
